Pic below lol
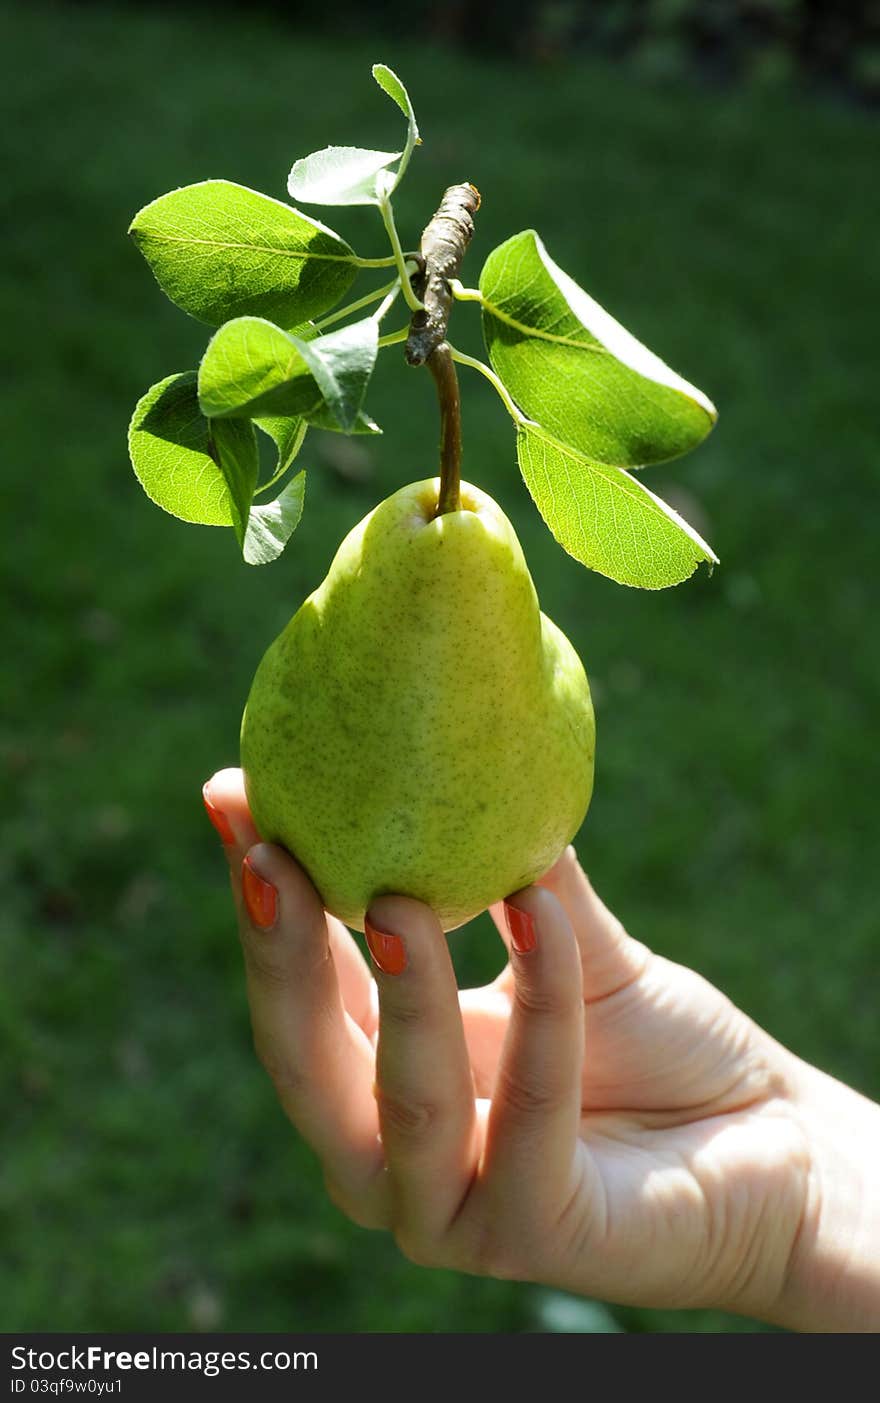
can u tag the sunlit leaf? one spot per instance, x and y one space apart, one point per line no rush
252 367
606 518
575 370
287 433
175 457
219 250
390 83
271 525
340 175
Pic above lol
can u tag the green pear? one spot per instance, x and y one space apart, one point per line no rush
420 726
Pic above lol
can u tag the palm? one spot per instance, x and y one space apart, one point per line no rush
677 1126
667 1041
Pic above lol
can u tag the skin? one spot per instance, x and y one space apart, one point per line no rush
597 1119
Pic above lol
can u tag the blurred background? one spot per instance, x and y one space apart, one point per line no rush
708 171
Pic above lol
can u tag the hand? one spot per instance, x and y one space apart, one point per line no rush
597 1118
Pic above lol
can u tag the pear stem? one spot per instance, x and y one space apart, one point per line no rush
442 368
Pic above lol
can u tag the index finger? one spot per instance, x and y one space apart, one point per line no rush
320 1061
227 808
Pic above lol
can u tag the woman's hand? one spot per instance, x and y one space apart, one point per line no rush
597 1118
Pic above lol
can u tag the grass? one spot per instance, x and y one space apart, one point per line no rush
148 1180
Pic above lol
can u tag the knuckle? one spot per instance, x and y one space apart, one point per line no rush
416 1247
426 1249
363 1213
484 1243
288 1080
400 1014
538 1001
526 1095
407 1117
314 958
280 966
264 966
494 1251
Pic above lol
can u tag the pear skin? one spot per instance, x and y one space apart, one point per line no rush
420 726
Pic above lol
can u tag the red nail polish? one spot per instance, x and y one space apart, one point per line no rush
260 897
387 950
521 925
218 818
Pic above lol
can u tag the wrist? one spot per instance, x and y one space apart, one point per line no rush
832 1281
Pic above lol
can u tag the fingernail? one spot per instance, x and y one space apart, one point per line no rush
260 897
522 929
217 817
387 950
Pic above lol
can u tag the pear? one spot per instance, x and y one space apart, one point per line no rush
420 726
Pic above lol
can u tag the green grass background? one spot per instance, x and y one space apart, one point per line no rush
147 1179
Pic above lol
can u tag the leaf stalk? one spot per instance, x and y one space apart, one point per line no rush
461 359
399 256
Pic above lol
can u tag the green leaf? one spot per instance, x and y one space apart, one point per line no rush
340 175
288 433
271 526
253 367
352 175
175 459
390 83
342 363
219 250
604 517
239 461
321 418
575 370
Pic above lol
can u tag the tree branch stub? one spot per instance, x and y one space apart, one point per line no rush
443 246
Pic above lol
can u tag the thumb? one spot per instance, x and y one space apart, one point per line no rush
610 958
